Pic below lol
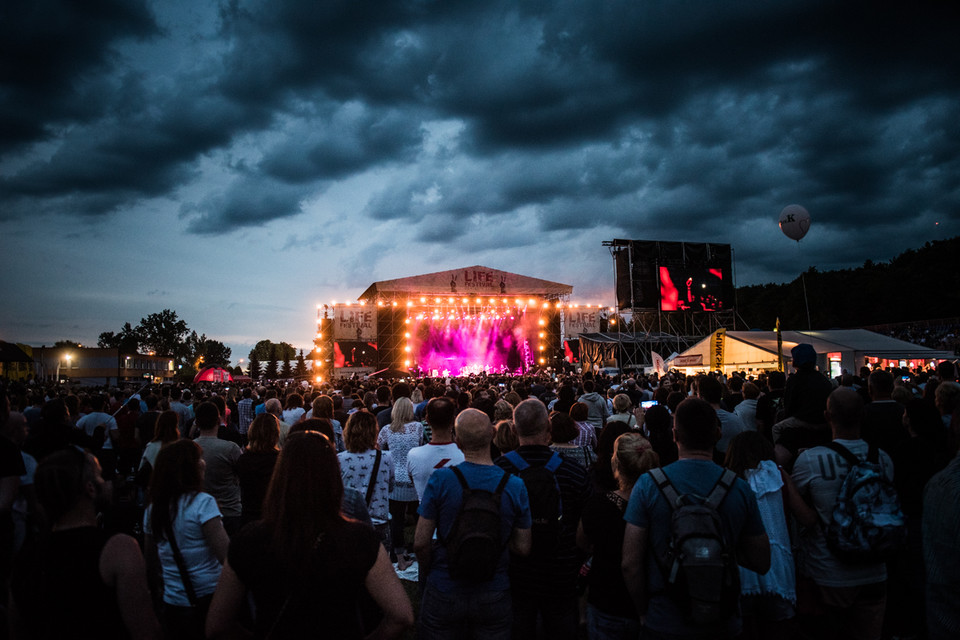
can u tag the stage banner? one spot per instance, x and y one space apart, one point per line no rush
355 323
576 321
716 349
469 281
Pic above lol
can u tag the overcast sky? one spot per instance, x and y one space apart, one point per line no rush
240 161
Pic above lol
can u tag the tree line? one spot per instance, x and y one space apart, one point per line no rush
919 284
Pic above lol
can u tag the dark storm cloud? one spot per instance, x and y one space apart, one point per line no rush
657 118
50 54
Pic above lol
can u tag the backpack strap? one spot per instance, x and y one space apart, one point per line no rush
666 487
517 460
463 481
843 452
553 463
721 489
373 478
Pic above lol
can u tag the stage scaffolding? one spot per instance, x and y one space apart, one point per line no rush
664 332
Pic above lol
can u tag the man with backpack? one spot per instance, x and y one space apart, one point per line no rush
680 555
544 584
842 558
477 511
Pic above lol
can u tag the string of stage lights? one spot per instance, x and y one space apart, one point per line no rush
458 334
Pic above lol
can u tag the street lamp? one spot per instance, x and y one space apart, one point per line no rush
68 357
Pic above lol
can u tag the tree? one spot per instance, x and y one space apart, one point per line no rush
126 340
214 352
164 334
300 371
255 372
271 371
286 371
285 351
67 343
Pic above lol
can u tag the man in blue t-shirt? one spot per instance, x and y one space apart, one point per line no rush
452 608
649 520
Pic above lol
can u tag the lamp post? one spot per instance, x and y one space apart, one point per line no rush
68 357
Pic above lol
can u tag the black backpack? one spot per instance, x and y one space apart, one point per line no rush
476 539
546 505
699 568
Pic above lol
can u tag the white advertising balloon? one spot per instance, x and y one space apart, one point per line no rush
794 222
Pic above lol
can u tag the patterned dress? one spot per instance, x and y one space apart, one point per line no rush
399 444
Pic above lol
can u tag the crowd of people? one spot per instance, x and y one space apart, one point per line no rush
553 506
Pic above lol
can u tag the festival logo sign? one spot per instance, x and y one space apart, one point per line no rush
576 322
355 324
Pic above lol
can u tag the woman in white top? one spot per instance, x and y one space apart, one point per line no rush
293 411
402 434
180 516
165 432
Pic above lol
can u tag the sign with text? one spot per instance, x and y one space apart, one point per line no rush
355 323
576 322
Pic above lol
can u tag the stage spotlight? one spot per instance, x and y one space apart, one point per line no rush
436 300
407 348
406 363
466 301
379 303
422 299
409 303
407 335
479 300
394 303
449 300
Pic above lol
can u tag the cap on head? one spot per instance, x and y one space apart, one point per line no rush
803 354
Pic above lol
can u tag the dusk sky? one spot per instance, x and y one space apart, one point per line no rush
241 161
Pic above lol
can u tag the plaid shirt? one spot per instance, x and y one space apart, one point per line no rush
245 414
587 436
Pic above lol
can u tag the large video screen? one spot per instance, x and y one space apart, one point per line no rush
691 289
673 276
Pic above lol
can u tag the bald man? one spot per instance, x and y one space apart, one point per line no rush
455 608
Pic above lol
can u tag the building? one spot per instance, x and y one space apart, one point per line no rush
96 366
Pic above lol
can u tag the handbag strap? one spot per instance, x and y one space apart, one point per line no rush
373 477
182 567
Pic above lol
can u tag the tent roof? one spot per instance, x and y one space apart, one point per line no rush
468 281
10 352
862 341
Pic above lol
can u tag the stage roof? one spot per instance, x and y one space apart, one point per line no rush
468 281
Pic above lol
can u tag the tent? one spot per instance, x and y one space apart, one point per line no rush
837 349
10 352
213 374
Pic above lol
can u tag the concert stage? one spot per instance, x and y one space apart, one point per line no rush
452 323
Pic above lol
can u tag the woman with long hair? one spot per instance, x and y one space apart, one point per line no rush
323 408
185 537
768 600
293 410
255 465
609 605
357 466
164 432
305 565
402 434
